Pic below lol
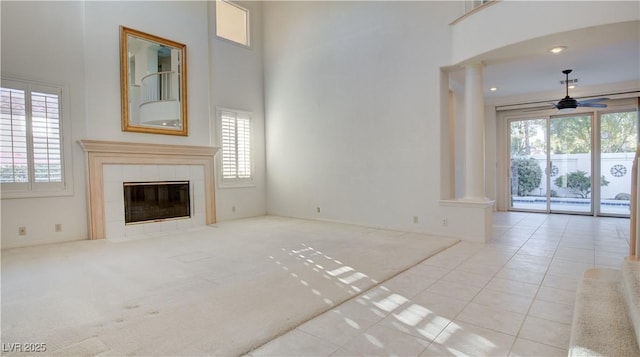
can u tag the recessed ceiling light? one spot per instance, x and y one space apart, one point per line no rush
571 86
493 89
557 49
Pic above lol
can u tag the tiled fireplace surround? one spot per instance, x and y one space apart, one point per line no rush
110 164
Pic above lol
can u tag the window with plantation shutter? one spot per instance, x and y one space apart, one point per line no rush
30 138
236 146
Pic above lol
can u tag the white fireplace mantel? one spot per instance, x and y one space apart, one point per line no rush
100 153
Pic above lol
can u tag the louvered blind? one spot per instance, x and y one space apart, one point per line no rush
14 166
45 126
236 145
30 136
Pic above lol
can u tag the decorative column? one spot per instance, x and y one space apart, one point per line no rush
471 217
474 134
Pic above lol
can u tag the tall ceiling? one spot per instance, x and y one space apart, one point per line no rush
602 58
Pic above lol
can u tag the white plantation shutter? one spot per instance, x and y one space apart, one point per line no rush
14 166
243 125
30 137
47 149
229 153
236 146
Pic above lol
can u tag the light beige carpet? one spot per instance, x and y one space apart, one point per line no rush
211 291
601 324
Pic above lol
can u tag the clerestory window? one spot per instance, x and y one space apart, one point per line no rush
232 22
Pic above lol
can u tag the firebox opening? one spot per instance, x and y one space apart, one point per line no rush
156 201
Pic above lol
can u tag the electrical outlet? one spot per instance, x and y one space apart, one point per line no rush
233 209
415 219
318 209
445 222
58 227
22 231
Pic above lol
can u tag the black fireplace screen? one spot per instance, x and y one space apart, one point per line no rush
155 201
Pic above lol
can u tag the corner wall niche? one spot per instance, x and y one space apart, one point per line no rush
143 156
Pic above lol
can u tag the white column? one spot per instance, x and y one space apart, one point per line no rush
474 133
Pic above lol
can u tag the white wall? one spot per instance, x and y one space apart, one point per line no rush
237 83
44 41
353 110
525 20
181 21
76 44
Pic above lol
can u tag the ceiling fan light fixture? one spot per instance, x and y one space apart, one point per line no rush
557 49
567 103
566 110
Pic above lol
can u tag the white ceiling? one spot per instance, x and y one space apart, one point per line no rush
602 58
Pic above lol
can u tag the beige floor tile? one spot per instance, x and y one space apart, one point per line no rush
579 255
537 251
454 290
296 343
441 305
461 339
481 266
531 265
340 325
416 320
383 341
513 286
561 296
552 311
546 332
530 277
568 268
492 318
408 284
576 242
525 348
560 282
502 300
468 278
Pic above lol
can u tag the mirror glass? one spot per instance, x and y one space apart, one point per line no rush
153 81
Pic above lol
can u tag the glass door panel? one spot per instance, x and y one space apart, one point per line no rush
618 138
528 158
570 169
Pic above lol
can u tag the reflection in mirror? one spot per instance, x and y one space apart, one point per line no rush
153 77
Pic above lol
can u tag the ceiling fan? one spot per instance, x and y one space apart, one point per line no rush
567 103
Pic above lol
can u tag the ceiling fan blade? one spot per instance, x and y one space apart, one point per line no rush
595 100
592 105
537 109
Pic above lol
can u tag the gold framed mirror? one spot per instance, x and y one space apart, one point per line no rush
153 77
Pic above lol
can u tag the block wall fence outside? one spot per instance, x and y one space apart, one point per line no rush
574 162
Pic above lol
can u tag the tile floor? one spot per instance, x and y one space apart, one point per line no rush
512 296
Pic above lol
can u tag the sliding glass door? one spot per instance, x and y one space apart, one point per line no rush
618 138
570 146
553 160
528 164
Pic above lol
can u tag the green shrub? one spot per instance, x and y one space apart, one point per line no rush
578 182
528 173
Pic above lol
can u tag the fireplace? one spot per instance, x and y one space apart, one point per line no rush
156 201
110 163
